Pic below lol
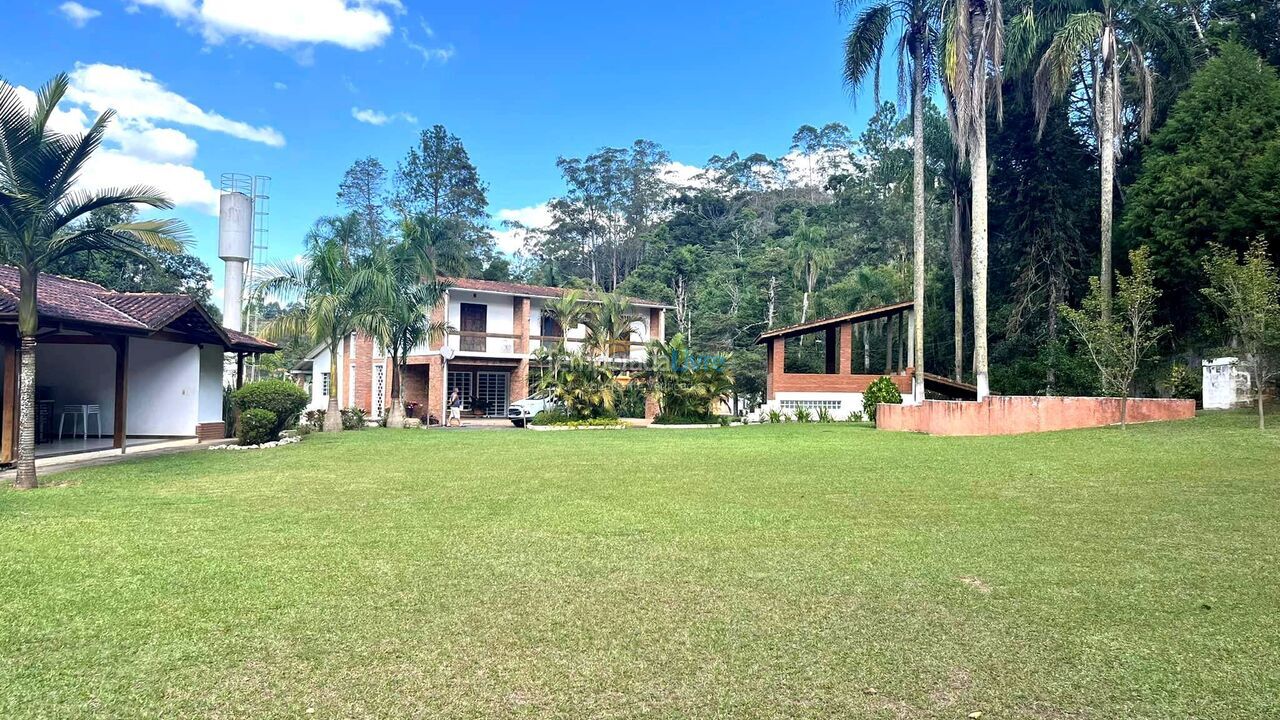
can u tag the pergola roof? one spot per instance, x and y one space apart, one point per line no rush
82 305
821 324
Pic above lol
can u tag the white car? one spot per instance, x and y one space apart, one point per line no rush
521 412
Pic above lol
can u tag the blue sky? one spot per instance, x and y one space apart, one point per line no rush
271 87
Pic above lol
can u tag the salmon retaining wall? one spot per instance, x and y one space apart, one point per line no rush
1011 415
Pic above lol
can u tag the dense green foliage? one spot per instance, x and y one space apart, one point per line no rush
257 426
1211 176
688 388
284 399
764 571
881 390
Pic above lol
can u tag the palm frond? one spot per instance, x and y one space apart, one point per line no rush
1053 75
864 47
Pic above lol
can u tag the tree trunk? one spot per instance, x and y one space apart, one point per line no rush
28 324
917 200
773 296
1262 418
866 348
333 414
1107 164
1124 410
978 221
26 477
804 308
957 285
395 413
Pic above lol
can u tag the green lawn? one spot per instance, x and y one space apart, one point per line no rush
745 572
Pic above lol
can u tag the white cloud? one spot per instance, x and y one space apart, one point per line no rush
429 54
137 95
279 85
136 151
352 24
682 175
77 14
375 117
511 239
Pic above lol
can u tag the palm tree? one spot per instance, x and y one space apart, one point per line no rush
810 257
401 320
1092 40
333 296
43 219
951 171
911 27
568 311
973 60
609 326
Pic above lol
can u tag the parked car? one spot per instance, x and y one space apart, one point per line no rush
522 411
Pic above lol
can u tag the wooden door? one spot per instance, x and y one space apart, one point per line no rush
474 319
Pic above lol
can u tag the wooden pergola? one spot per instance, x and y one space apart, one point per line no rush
843 373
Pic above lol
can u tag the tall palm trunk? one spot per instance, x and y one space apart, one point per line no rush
28 324
333 414
917 201
978 221
957 284
1107 159
395 413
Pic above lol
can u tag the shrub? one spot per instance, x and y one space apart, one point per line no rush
853 416
280 397
672 419
881 390
353 418
776 417
257 426
313 420
550 417
802 414
824 415
1181 383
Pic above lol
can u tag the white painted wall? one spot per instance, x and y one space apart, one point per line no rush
499 317
164 388
319 366
79 374
849 402
210 383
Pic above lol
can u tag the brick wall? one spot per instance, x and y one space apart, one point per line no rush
210 431
1010 415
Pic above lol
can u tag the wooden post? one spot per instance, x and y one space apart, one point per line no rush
9 421
832 352
240 371
122 392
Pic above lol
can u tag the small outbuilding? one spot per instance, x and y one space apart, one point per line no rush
855 349
116 368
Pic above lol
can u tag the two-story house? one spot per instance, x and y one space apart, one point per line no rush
495 327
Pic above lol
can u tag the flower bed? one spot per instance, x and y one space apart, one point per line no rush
261 446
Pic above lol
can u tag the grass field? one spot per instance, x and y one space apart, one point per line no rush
793 571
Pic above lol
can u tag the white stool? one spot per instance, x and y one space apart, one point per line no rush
82 411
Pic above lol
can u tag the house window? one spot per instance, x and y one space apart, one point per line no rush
460 381
324 384
474 320
379 389
491 393
551 327
810 404
351 387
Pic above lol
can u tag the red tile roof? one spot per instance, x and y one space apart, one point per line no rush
85 305
545 291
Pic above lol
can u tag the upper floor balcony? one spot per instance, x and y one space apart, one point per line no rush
499 319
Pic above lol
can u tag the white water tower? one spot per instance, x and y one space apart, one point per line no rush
242 228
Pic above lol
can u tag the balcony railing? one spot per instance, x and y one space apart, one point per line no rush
505 344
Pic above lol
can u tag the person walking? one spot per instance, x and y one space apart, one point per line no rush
455 408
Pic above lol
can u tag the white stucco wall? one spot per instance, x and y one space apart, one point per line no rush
499 317
319 366
849 402
164 387
79 374
210 384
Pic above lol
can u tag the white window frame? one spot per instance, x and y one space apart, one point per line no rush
378 390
